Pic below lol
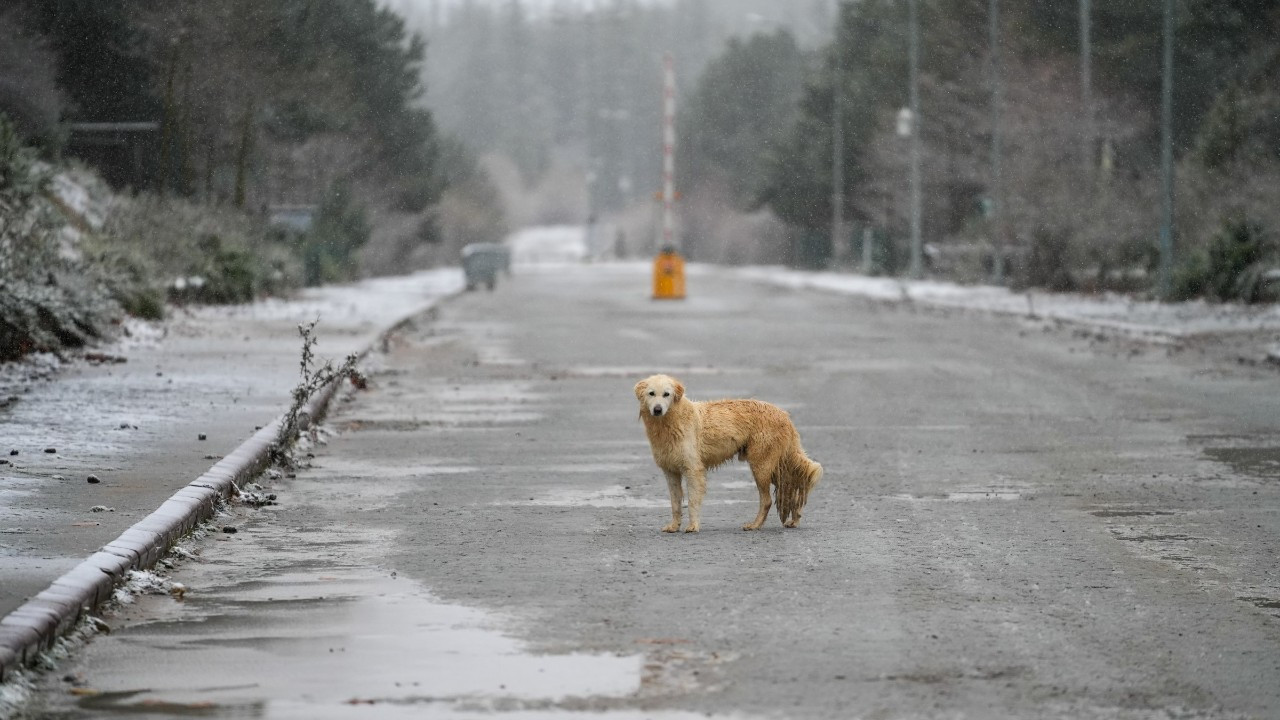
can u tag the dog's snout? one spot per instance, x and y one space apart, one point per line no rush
657 410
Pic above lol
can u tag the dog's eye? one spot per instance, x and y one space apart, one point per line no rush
652 393
666 394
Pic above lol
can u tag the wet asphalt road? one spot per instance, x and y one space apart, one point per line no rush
1013 523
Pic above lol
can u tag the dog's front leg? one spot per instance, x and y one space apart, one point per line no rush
697 488
677 501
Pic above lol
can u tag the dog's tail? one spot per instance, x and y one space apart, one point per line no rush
797 477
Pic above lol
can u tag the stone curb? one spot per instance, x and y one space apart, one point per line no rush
35 625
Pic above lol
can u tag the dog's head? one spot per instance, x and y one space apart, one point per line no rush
657 393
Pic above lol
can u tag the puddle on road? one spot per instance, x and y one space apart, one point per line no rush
1266 603
1122 534
1256 457
972 494
1127 513
450 405
333 641
616 496
1254 462
336 467
589 467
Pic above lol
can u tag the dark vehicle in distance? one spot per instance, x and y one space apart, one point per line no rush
481 263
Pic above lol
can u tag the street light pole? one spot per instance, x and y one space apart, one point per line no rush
1166 158
917 247
997 145
1087 150
668 152
838 246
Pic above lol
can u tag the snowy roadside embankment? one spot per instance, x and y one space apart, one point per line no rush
374 302
158 409
1110 311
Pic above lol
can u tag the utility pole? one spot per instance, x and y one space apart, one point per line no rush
1166 158
839 248
997 144
917 246
1087 149
668 151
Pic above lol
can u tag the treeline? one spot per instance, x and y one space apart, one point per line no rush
1080 174
246 95
253 146
580 87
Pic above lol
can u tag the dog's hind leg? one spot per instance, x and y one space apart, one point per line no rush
677 501
763 476
697 489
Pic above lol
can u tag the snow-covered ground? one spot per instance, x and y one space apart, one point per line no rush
149 412
1109 311
376 301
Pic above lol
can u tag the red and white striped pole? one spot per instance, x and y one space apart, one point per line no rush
668 151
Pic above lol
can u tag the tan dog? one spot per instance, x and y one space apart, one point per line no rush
688 438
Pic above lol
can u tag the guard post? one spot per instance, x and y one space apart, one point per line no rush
668 275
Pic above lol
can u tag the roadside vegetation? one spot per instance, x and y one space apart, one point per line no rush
50 296
1080 174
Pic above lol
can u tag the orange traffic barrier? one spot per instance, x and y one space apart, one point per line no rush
668 276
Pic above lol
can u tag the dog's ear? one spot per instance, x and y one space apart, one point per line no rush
679 390
640 388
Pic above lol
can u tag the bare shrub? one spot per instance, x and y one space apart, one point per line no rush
312 381
49 299
233 254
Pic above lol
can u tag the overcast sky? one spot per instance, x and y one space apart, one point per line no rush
425 8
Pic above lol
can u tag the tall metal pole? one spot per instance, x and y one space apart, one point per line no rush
668 151
839 247
1087 149
997 144
1166 157
917 246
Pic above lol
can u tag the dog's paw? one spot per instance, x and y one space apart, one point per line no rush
673 527
692 529
790 523
751 526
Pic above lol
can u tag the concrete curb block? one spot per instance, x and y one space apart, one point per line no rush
35 625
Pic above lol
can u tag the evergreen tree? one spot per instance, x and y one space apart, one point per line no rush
738 114
102 66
